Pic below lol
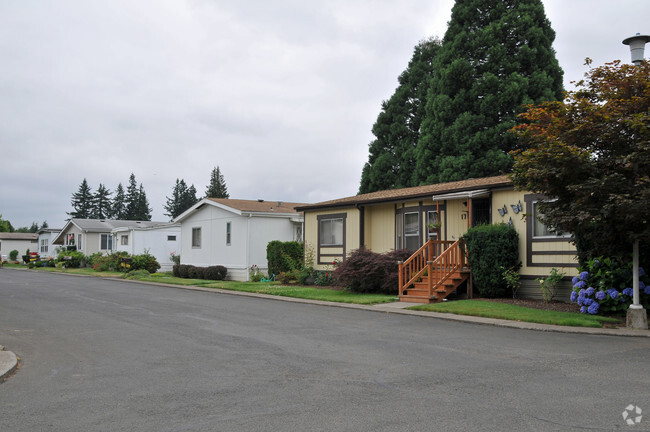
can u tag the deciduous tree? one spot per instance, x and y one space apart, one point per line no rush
591 155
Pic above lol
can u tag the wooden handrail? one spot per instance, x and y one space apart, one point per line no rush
438 258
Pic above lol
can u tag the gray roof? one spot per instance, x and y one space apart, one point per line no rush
106 225
18 236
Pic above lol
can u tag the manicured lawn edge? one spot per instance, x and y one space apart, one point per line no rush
516 313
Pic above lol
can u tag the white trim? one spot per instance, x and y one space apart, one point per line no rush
459 195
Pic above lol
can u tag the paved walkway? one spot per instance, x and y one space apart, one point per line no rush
9 361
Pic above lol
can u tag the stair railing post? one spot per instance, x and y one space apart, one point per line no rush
430 278
400 277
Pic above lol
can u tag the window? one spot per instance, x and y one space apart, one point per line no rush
542 230
298 233
196 237
105 242
171 238
433 224
79 245
331 232
44 245
124 240
412 231
228 233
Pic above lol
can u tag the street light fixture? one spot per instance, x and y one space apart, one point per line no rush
636 316
637 46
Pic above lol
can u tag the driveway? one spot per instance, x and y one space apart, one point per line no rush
101 355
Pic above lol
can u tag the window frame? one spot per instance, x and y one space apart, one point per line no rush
108 240
196 237
332 235
228 233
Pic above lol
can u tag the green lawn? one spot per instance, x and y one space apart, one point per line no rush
516 313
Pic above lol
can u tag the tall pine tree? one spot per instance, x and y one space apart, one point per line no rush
131 199
118 205
143 211
496 56
101 203
182 198
217 187
397 130
82 202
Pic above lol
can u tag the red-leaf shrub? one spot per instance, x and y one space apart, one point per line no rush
365 271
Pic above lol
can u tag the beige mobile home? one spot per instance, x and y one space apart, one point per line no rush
437 215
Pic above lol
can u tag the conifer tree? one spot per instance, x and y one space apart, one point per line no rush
143 211
131 199
495 57
118 205
397 130
182 198
217 187
101 203
82 202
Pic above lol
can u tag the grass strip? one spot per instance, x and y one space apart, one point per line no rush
516 313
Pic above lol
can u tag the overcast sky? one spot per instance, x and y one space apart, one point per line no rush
281 95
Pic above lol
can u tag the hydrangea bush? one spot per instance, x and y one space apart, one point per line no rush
605 286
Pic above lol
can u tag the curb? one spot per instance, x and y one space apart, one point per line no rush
399 308
8 363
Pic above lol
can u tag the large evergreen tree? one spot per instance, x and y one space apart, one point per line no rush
182 198
397 130
118 205
101 203
131 199
82 202
496 56
143 211
217 187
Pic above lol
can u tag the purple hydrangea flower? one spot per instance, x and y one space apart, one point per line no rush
601 295
590 291
583 309
596 263
641 285
613 293
583 275
628 292
647 289
574 280
581 300
588 302
641 272
580 284
581 293
574 296
593 308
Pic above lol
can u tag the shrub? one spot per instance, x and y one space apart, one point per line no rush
183 271
217 272
549 285
71 259
489 248
13 255
512 279
112 261
604 286
196 272
369 272
176 270
145 261
290 277
254 274
324 278
284 256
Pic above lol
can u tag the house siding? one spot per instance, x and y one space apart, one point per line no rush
537 256
250 236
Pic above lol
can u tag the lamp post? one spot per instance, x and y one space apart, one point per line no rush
637 317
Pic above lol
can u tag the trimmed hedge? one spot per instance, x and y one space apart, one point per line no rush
186 271
365 271
284 256
490 248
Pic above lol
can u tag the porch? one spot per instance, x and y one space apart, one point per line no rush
434 271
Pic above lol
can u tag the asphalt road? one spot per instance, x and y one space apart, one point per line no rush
101 355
